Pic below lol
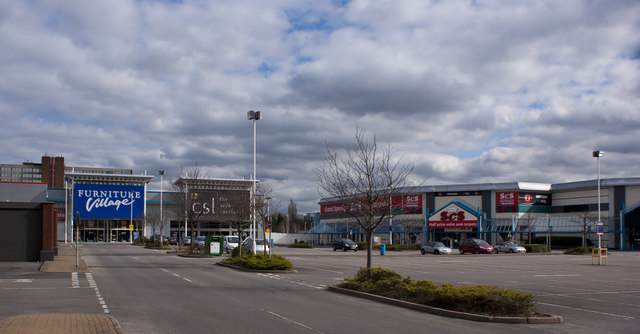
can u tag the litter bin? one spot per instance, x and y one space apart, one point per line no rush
214 245
382 249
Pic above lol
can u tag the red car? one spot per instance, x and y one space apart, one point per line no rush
475 246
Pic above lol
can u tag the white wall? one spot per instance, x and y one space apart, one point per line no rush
289 238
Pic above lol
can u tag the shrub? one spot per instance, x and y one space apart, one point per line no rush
488 300
536 248
300 244
155 244
579 250
260 262
562 242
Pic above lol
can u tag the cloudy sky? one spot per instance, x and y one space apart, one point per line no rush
466 91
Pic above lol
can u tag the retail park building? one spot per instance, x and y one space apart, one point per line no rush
40 204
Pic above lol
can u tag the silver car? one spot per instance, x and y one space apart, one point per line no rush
509 247
230 243
435 247
261 247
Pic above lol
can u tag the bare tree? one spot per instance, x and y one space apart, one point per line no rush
363 180
279 222
154 220
185 196
587 219
237 206
411 225
264 208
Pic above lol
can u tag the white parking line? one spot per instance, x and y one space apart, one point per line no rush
327 270
75 283
590 311
94 285
291 321
298 282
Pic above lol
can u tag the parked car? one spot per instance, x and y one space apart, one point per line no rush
345 245
509 247
434 247
230 243
261 247
475 246
201 240
186 240
171 240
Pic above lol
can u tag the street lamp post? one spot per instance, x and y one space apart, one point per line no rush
254 116
390 216
161 173
268 224
598 155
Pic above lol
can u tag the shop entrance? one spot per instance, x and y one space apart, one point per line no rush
120 235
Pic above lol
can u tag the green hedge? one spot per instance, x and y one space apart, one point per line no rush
489 300
562 242
580 250
260 262
536 248
300 244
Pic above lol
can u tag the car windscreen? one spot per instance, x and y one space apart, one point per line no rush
481 242
438 244
232 239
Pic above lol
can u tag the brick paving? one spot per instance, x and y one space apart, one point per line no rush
55 323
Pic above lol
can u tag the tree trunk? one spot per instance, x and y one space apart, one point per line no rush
369 248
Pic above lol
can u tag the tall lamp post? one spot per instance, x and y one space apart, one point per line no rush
161 173
390 216
598 155
254 116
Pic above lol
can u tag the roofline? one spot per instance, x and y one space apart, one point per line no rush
110 177
626 181
514 186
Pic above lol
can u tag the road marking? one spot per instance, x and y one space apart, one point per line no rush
327 270
590 311
94 285
75 283
558 275
452 261
291 321
290 280
176 275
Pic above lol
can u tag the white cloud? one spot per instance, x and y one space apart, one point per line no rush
466 91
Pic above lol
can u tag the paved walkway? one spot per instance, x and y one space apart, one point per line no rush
65 262
54 323
75 323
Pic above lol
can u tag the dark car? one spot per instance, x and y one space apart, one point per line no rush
345 245
475 246
172 240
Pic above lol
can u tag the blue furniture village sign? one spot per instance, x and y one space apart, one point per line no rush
103 201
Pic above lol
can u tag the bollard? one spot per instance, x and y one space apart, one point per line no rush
382 249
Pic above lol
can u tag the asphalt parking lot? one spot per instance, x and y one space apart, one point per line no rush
591 298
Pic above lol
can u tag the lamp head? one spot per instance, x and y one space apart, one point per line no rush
253 115
598 154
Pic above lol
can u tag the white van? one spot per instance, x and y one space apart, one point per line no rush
230 243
